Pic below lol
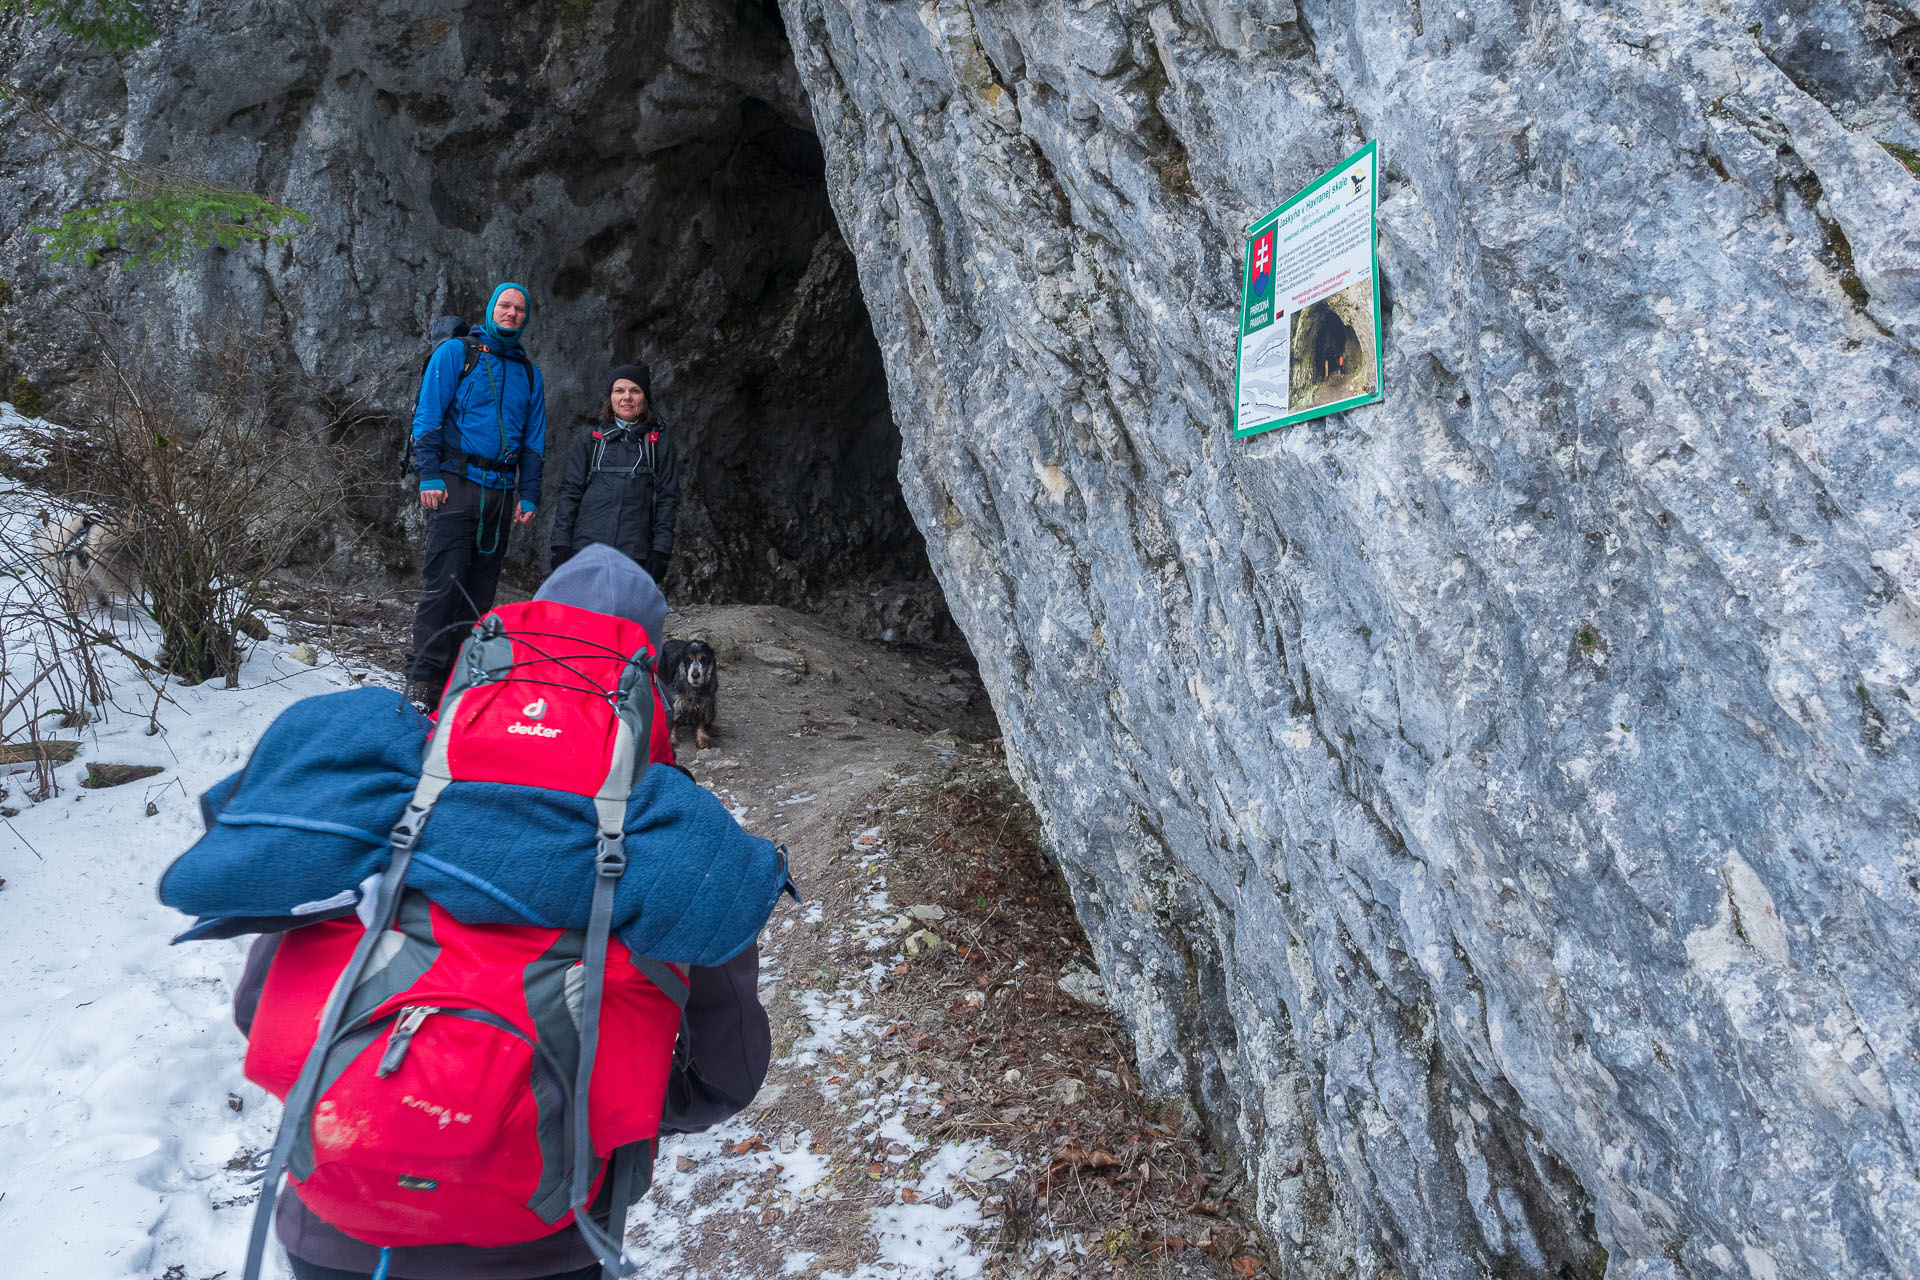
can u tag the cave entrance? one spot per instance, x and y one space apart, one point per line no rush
1329 360
723 268
1334 343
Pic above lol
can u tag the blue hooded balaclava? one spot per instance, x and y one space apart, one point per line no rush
506 337
601 579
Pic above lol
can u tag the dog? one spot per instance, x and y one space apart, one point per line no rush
87 559
690 679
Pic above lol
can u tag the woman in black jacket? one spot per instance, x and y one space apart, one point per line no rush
622 485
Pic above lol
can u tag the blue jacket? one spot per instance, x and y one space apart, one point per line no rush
294 836
497 412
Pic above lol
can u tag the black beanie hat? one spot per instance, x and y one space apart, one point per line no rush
632 373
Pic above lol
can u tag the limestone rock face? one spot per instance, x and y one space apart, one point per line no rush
649 171
1496 807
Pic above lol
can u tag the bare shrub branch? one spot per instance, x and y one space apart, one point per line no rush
49 664
204 483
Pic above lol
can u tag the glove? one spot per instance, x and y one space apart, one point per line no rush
656 567
560 556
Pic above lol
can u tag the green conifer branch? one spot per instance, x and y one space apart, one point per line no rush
169 225
110 25
161 215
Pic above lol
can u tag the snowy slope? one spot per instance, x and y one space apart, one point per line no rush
119 1063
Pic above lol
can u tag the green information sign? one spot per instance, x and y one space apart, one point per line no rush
1310 302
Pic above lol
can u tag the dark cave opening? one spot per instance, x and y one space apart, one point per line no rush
1333 347
698 237
1331 361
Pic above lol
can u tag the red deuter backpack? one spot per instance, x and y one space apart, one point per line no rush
433 1070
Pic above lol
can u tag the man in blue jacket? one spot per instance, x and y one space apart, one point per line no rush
479 434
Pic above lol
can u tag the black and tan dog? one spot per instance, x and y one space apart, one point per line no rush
691 678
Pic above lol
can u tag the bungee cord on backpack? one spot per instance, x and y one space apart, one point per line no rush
587 685
564 660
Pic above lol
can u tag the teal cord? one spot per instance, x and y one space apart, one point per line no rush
380 1272
500 532
499 408
500 420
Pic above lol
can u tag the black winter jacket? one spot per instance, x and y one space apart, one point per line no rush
622 487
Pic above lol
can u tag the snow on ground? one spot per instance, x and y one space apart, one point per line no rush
126 1127
124 1120
121 1099
122 1104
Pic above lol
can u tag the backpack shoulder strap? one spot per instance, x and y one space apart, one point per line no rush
471 355
297 1119
632 1175
532 369
634 707
473 347
450 453
672 983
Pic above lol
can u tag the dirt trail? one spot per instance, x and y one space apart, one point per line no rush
811 724
949 1095
939 1104
807 712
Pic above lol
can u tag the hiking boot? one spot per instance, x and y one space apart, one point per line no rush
424 695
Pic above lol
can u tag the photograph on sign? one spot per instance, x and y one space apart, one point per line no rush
1310 303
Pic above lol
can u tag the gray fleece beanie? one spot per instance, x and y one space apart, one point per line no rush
601 579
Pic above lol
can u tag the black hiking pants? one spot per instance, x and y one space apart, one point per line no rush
466 541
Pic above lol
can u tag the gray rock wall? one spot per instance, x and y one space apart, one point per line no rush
1497 808
648 170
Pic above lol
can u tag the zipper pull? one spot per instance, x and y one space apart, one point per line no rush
401 1036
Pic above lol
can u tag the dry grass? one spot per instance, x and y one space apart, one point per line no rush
200 486
53 680
983 1014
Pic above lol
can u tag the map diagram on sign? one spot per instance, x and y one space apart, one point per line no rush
1309 316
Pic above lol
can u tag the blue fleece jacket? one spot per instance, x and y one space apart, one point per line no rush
296 835
496 414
